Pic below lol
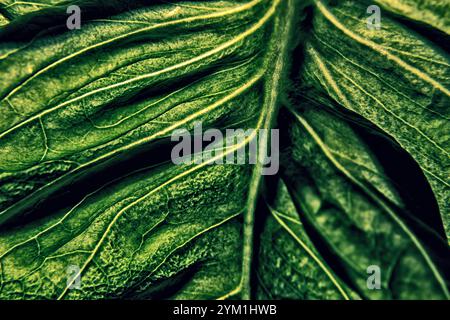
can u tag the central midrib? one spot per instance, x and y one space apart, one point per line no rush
244 288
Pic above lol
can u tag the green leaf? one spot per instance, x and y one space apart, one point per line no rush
92 206
290 267
133 238
42 11
115 85
436 13
359 226
392 77
134 88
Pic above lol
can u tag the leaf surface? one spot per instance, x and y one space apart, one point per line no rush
92 205
392 77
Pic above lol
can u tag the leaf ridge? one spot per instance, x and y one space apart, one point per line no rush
244 7
385 207
377 48
325 269
205 55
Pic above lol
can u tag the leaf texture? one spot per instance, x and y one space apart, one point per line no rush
92 205
391 77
